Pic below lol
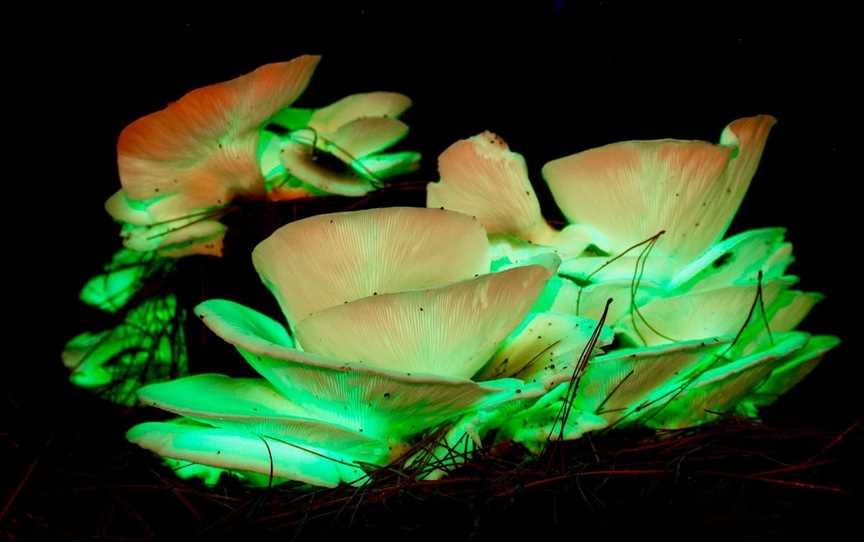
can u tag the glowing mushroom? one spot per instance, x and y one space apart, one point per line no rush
384 352
181 167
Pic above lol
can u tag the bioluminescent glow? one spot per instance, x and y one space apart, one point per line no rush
182 167
147 345
382 354
353 130
122 278
706 323
474 314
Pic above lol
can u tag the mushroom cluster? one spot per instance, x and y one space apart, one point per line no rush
704 323
184 167
181 167
395 325
471 315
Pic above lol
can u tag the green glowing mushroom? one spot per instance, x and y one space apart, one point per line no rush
353 131
618 198
402 338
122 278
146 340
147 345
181 167
646 225
475 314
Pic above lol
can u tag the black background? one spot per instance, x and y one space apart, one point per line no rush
551 78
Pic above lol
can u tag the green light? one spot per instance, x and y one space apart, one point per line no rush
790 372
353 131
736 259
182 166
210 476
292 118
387 351
719 389
475 312
121 279
245 452
255 406
379 402
543 345
147 346
656 211
696 315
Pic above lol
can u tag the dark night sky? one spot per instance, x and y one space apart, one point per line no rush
552 80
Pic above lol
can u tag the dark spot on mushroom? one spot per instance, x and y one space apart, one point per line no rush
722 260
